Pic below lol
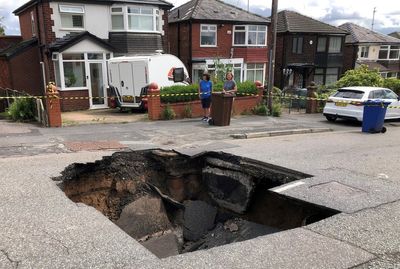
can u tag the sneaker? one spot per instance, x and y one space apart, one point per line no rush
204 118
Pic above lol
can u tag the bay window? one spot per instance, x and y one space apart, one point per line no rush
72 17
250 35
135 19
208 35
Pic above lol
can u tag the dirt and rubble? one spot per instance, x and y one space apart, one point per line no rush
172 203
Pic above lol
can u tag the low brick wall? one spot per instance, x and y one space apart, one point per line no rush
241 104
74 104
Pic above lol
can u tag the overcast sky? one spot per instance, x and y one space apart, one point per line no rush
335 12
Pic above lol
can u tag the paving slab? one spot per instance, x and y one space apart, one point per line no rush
298 248
376 229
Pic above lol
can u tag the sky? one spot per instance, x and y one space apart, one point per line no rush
335 12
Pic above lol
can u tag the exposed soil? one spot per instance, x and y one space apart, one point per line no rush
174 203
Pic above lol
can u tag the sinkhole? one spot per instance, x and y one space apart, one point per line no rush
172 203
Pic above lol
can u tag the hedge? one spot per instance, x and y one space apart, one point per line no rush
187 93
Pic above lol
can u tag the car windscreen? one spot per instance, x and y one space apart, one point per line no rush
350 94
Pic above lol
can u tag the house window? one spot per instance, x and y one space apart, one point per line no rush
321 44
297 46
256 35
33 24
74 70
389 52
332 75
319 76
208 35
335 44
72 16
117 18
135 18
255 72
239 35
141 19
364 50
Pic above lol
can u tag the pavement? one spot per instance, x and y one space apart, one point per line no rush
352 172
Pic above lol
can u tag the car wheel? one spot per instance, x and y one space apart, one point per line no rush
331 118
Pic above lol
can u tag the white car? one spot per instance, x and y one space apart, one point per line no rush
348 103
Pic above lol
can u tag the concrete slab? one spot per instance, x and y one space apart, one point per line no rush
298 248
42 228
375 230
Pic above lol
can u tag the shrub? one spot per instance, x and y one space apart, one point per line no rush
360 76
261 110
179 93
393 84
276 110
22 110
168 113
187 93
187 111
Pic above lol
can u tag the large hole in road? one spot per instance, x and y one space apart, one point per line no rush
172 203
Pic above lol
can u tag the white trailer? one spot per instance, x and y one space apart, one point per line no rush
129 77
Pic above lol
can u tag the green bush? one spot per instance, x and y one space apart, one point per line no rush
276 110
22 110
187 93
393 84
360 76
168 113
261 110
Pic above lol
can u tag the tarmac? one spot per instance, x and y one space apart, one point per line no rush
352 172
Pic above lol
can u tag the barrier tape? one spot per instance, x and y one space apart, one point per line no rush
290 97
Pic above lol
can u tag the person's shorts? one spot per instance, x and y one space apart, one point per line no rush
206 102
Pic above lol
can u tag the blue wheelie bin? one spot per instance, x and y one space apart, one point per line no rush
374 116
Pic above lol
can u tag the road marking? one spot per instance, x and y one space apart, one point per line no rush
289 186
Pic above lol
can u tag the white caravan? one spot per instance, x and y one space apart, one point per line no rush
129 77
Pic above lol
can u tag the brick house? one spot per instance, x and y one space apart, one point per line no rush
203 33
376 50
72 41
307 50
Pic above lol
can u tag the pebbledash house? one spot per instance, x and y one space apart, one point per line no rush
71 42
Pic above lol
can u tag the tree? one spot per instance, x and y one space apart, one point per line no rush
2 27
393 84
361 76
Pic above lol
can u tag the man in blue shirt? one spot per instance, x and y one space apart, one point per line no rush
205 90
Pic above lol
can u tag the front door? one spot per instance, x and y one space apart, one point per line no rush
97 86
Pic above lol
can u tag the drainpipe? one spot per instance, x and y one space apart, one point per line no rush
190 48
39 37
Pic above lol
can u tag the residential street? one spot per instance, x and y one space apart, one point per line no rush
352 172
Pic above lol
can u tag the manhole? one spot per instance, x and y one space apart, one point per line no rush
173 203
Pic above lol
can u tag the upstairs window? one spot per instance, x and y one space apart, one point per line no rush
321 47
364 51
297 46
389 52
135 19
250 35
33 24
335 44
72 17
208 35
140 19
117 18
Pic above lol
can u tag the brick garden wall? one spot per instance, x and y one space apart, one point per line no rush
74 104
